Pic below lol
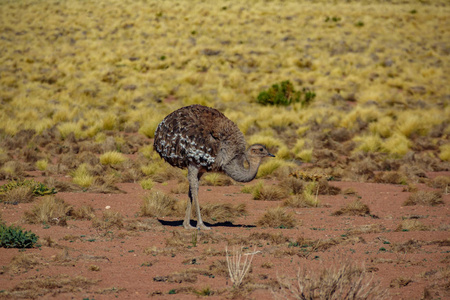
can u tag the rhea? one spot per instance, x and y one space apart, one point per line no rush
202 139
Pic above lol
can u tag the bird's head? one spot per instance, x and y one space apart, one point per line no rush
258 150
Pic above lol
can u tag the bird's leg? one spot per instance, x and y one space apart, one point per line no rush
194 176
187 218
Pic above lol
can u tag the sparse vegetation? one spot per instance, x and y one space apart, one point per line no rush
49 210
82 93
354 208
23 191
277 217
147 184
424 198
411 225
82 177
216 179
158 204
346 282
285 94
238 268
110 220
15 237
112 158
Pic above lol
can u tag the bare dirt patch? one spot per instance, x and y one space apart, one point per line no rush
157 257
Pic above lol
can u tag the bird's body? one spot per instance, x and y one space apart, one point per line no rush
202 139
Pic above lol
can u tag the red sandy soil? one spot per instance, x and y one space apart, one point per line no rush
127 272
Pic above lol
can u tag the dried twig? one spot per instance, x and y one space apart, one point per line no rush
236 269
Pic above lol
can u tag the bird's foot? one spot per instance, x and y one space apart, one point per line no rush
203 227
187 225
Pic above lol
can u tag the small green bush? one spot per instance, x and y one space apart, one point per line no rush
284 94
14 237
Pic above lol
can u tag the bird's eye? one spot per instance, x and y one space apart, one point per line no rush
260 150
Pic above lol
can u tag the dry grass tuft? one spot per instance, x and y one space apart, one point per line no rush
347 282
219 267
84 212
188 276
411 225
294 185
23 262
183 238
391 177
144 225
158 204
400 282
168 173
105 185
216 179
20 194
355 208
49 210
303 200
112 158
424 198
441 182
181 188
39 286
363 229
407 247
274 238
110 219
263 192
324 188
222 212
277 218
12 170
61 186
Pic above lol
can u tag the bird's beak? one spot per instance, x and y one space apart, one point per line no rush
270 154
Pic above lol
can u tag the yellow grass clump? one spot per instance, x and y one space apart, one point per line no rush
268 141
268 167
82 176
147 184
42 164
444 152
71 127
368 143
149 127
112 158
305 155
216 179
417 122
397 145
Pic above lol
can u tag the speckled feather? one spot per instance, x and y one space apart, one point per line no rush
198 135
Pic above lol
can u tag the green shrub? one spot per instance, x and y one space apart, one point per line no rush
284 94
14 237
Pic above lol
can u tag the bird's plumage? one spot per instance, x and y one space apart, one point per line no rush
198 135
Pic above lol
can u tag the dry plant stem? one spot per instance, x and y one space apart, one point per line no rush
237 270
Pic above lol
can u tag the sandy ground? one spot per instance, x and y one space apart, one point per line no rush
131 264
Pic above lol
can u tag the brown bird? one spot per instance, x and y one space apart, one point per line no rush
202 139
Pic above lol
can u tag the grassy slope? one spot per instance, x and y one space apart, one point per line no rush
380 71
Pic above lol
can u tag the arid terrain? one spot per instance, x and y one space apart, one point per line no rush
352 98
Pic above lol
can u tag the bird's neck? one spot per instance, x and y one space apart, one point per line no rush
236 169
